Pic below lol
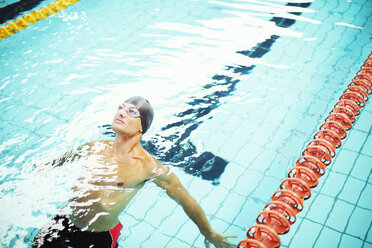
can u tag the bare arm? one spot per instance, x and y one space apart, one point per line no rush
67 157
175 190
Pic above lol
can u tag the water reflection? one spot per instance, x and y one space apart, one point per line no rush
185 67
172 143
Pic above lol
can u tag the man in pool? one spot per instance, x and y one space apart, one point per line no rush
115 171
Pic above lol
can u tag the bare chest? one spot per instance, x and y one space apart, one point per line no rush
124 174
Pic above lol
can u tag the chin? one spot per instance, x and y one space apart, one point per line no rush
121 131
115 128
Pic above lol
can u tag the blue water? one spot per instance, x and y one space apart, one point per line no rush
62 78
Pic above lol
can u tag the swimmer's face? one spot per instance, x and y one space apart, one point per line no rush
127 120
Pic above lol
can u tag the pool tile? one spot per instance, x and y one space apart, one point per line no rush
153 238
186 179
215 141
248 182
338 215
291 96
367 147
248 213
308 203
233 122
218 224
200 188
359 223
171 224
365 198
363 122
200 134
266 188
247 128
263 160
348 241
332 39
305 100
138 233
344 161
287 238
230 148
231 175
327 238
230 207
369 237
156 214
291 146
188 232
198 242
280 138
351 191
280 167
235 230
368 107
143 201
291 121
308 126
175 243
276 114
362 167
306 235
247 153
214 201
262 135
333 184
355 140
318 106
320 208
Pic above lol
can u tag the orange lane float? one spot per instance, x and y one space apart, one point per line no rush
18 24
280 213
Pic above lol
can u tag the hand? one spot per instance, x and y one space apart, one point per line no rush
219 240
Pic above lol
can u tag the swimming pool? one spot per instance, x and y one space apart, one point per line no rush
224 77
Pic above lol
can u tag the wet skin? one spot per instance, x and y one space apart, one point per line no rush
115 170
108 186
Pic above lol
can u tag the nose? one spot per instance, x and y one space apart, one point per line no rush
123 113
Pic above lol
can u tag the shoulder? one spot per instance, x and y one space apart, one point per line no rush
155 168
98 142
97 146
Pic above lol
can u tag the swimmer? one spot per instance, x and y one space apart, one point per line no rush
115 170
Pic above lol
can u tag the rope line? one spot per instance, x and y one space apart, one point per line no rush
20 23
280 213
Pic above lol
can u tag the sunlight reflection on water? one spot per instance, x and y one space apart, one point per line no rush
57 91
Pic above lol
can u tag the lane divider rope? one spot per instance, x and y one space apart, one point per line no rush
20 23
280 213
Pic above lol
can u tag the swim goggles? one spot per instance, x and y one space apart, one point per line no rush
132 111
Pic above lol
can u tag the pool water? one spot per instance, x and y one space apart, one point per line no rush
247 81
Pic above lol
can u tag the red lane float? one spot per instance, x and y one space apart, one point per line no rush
325 144
282 208
347 103
312 163
347 113
280 213
336 127
275 220
264 234
289 197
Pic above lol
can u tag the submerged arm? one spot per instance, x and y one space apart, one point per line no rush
66 157
175 190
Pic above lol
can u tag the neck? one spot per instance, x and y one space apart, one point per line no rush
124 145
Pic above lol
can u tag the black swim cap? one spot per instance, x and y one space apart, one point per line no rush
145 109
